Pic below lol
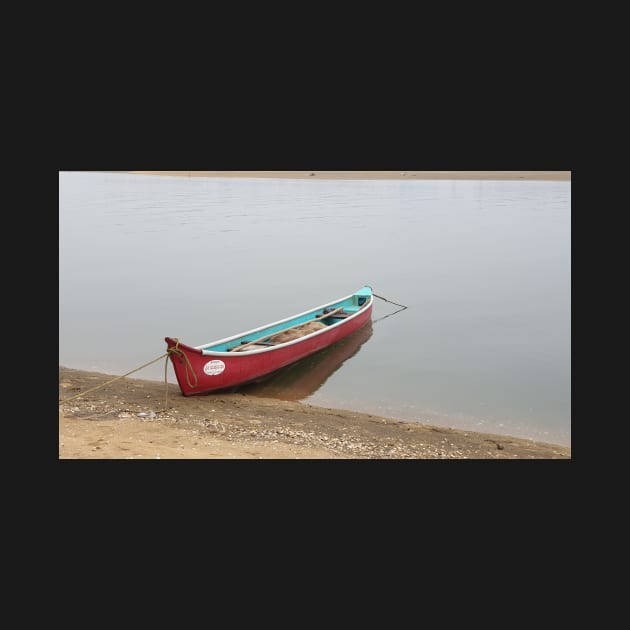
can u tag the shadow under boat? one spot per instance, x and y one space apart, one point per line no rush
305 377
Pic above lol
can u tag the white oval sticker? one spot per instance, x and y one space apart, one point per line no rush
212 368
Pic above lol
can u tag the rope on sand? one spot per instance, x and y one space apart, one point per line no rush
174 350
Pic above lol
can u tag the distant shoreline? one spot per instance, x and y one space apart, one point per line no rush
490 175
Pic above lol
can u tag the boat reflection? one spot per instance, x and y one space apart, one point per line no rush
305 377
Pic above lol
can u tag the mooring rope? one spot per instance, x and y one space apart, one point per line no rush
189 367
174 350
380 297
112 381
380 319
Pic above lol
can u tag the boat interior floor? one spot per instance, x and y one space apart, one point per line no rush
294 333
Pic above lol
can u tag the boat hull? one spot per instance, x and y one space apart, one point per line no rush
200 372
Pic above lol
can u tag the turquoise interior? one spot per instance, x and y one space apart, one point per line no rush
351 305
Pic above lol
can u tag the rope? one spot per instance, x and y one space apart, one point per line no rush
174 350
166 383
189 367
388 315
113 380
385 300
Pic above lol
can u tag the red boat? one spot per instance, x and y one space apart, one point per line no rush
248 356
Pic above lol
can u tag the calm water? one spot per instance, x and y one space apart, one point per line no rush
484 267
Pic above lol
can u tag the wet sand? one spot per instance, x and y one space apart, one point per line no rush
128 419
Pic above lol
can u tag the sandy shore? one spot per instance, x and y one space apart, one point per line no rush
533 175
128 419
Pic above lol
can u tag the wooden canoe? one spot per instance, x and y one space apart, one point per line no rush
248 356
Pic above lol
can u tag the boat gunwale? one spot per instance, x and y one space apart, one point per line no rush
245 353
